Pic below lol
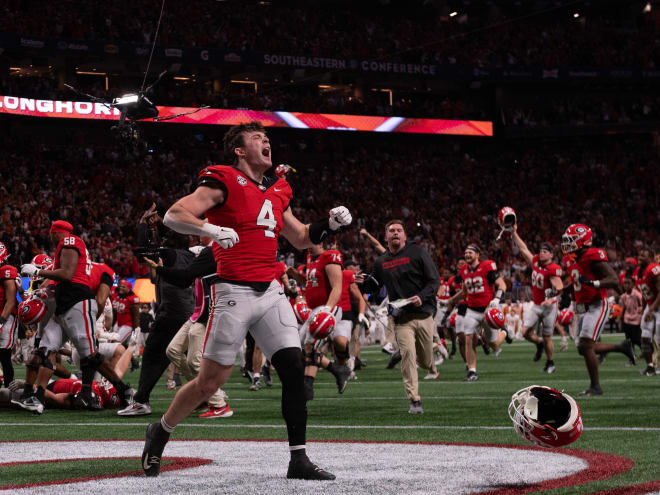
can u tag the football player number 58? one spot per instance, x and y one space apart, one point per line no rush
266 218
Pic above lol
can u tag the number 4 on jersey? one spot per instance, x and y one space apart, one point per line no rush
266 218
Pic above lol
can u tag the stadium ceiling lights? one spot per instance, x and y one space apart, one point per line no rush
453 14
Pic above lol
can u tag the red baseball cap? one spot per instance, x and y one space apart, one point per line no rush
61 226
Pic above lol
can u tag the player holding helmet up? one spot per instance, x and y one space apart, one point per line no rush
546 285
246 212
591 276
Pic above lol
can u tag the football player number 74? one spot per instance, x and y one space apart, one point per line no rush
266 218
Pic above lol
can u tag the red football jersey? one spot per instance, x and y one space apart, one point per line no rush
479 290
541 278
585 294
7 272
280 269
646 283
454 287
254 211
446 289
347 278
98 269
318 287
83 272
105 390
123 307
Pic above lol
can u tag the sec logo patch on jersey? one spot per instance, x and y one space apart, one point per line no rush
241 180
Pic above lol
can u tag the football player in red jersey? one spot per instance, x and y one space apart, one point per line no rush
647 279
591 276
546 284
246 212
75 312
455 283
323 291
350 301
8 313
483 288
126 305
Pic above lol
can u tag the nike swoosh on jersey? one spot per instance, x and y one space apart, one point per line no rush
278 190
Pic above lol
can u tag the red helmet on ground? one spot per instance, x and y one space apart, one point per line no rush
576 237
322 325
495 318
506 218
31 311
125 283
565 317
41 261
4 254
452 320
301 310
546 417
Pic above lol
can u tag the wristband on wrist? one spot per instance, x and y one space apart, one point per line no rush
596 284
498 294
319 230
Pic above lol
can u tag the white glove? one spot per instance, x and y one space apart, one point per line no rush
494 303
29 270
224 236
363 320
339 217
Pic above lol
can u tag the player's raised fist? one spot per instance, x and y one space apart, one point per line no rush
339 217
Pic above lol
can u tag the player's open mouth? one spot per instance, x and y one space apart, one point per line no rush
266 152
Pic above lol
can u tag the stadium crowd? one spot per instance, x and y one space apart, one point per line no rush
427 34
445 195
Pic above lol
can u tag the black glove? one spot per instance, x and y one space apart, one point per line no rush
586 281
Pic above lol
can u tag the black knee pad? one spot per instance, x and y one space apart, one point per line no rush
341 354
581 350
308 359
37 360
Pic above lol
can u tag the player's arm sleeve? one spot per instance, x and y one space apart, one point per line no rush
202 265
492 276
431 277
374 281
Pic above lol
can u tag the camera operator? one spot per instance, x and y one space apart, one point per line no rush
174 305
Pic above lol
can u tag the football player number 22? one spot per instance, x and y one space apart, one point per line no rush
266 218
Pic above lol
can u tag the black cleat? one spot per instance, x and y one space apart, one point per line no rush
539 352
591 391
265 372
154 445
628 350
471 376
486 349
87 399
394 360
342 376
301 468
649 371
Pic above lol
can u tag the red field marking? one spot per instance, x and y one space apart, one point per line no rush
651 486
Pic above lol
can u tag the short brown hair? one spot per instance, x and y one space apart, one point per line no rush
234 138
395 221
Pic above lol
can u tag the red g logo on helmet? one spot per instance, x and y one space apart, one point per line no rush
565 317
301 310
31 311
576 237
3 253
545 417
506 218
322 325
41 261
494 318
452 320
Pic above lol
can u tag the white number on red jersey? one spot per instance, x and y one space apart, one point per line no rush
646 291
312 279
575 276
474 285
266 218
538 280
7 274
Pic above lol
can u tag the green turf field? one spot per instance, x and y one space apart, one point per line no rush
624 421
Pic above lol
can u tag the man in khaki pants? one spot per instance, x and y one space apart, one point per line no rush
412 281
